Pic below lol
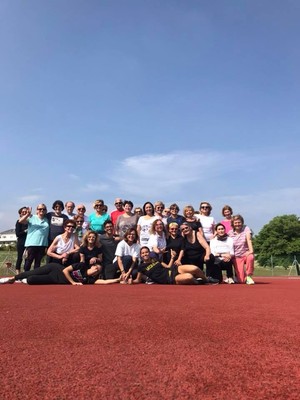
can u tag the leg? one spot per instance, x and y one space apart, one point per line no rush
238 263
30 257
110 271
227 266
249 265
45 270
192 270
185 279
20 250
40 252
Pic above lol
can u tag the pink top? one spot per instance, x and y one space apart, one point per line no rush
240 244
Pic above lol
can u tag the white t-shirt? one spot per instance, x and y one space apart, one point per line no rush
145 224
157 241
123 249
207 223
221 246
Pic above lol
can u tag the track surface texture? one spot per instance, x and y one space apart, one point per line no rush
151 341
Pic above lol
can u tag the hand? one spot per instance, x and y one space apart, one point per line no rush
76 283
177 262
93 261
206 257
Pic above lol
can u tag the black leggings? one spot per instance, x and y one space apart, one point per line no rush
49 274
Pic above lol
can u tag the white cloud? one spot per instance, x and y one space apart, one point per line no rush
154 174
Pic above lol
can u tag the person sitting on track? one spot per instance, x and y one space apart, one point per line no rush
57 274
168 274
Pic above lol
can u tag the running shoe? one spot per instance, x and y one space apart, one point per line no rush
249 281
212 281
3 281
230 281
24 281
226 280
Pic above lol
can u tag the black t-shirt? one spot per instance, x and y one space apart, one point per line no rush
109 246
155 271
55 224
176 244
89 254
79 274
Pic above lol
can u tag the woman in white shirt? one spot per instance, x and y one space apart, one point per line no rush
127 255
221 246
207 221
145 222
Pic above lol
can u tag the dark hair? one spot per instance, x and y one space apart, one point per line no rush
58 203
128 202
219 224
108 222
128 233
152 206
174 205
21 209
67 221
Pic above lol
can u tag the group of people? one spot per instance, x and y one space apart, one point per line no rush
151 244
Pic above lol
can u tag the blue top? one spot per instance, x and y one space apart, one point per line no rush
38 231
97 222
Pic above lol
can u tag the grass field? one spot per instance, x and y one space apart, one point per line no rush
11 256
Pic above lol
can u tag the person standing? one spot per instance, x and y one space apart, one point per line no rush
70 206
21 233
119 210
37 235
97 218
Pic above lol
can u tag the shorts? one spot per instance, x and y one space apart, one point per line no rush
173 272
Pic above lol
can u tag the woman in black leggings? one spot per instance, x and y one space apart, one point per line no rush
57 274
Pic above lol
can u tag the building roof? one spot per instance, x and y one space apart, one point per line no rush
8 232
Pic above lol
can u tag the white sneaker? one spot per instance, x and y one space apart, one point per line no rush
226 280
230 281
24 281
249 281
6 280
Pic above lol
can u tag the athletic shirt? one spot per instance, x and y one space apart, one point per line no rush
89 254
62 246
155 271
240 244
192 251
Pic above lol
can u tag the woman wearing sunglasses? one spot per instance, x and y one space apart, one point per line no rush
37 235
207 221
64 248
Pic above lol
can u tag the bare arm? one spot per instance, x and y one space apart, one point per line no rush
204 244
249 243
67 272
51 252
25 217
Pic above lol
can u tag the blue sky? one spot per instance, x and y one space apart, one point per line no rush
180 101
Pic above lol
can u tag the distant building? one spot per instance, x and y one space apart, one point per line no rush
8 238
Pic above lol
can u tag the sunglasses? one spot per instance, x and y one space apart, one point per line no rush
81 209
205 207
185 229
41 209
70 226
119 202
79 220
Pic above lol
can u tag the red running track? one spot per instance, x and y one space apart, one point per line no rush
151 341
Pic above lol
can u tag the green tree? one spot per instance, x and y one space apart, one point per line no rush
280 238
